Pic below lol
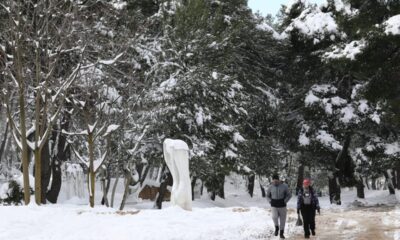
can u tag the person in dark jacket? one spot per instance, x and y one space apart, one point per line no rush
278 195
307 204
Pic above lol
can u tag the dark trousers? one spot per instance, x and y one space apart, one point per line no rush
308 213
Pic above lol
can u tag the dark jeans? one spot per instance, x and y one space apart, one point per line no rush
308 213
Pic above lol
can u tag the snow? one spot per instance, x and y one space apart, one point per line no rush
392 25
363 106
272 99
303 139
375 117
237 217
392 148
290 3
176 155
311 99
111 61
345 8
214 75
230 154
237 137
338 101
168 84
350 50
119 5
224 127
267 28
111 128
348 114
323 88
200 116
81 223
312 22
328 140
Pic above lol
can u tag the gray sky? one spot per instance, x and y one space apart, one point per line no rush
270 6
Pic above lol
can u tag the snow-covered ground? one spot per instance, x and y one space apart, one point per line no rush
236 217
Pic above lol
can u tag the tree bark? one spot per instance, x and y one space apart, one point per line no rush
221 190
334 190
106 181
46 172
373 183
3 142
193 184
113 191
389 181
91 173
263 193
63 154
367 183
398 176
167 180
300 178
360 188
250 185
128 180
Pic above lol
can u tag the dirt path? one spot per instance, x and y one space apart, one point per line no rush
356 224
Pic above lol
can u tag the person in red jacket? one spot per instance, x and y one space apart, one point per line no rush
307 204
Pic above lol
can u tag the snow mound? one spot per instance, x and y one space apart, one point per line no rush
392 25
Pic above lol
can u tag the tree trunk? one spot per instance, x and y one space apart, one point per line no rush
250 185
360 188
106 181
367 183
167 180
263 194
373 183
56 181
113 191
25 158
92 174
334 190
193 184
3 142
221 189
212 195
38 176
300 178
398 176
62 155
389 181
128 180
46 172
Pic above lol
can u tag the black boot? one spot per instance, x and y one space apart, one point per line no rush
306 236
313 232
281 235
276 231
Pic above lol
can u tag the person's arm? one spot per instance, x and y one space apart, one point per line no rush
288 194
299 202
317 203
269 199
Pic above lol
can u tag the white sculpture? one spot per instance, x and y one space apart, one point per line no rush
176 154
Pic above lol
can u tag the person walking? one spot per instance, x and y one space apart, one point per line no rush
307 204
278 195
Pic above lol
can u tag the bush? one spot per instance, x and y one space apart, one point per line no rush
13 194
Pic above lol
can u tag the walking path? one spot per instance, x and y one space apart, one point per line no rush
372 223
